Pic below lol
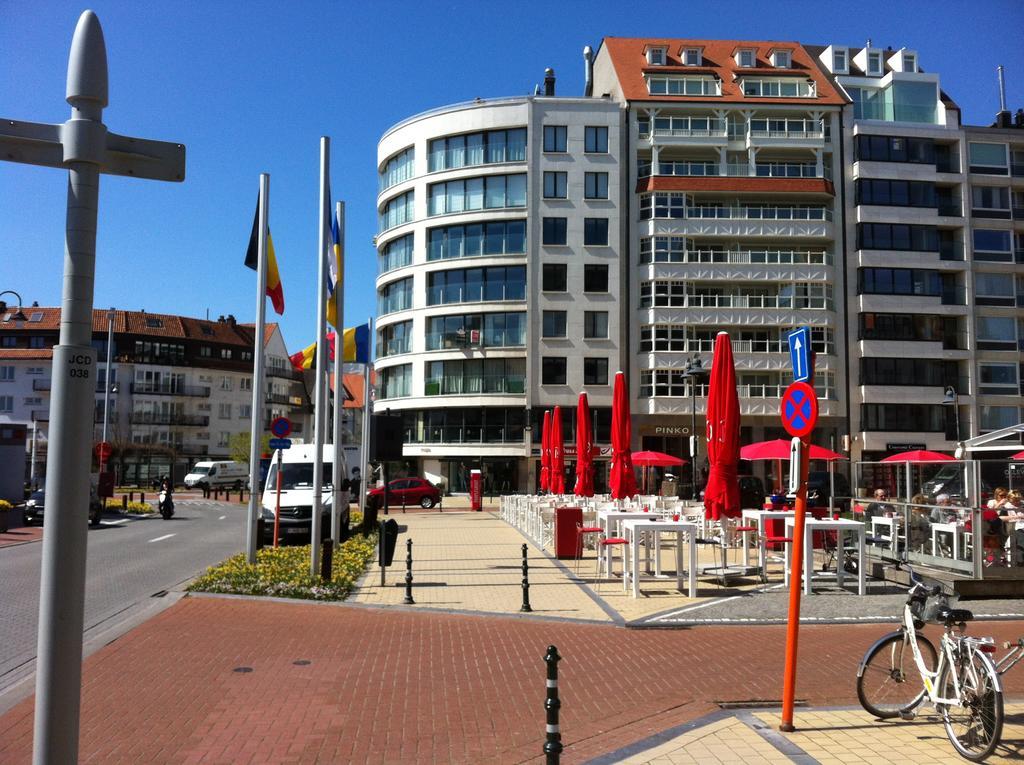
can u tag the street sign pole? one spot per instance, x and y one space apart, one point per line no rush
86 149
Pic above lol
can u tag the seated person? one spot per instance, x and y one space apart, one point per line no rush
942 512
920 522
879 506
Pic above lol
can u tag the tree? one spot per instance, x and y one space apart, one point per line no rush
239 444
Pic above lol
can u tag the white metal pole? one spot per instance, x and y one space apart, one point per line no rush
32 467
340 466
321 358
106 386
258 376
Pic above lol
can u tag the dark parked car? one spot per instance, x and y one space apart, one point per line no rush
405 491
818 483
35 509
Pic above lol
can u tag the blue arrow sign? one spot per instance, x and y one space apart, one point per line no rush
799 341
280 443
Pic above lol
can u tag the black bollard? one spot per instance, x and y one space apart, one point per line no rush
408 573
526 583
142 496
260 525
131 496
327 559
553 742
124 503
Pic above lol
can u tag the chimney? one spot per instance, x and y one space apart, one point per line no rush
549 82
231 319
3 306
868 43
221 318
1018 119
588 71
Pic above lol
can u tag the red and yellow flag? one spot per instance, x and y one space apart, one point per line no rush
274 289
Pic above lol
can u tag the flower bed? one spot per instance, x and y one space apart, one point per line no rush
139 508
284 572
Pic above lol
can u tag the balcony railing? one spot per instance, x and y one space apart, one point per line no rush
682 127
40 415
735 170
394 346
285 373
707 345
772 257
278 398
763 212
437 341
161 418
485 384
161 389
439 434
738 301
770 390
786 128
477 294
48 385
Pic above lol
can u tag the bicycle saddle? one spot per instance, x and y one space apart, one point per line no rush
954 615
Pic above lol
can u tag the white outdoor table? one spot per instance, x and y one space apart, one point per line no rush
760 518
634 527
609 520
840 526
954 530
891 526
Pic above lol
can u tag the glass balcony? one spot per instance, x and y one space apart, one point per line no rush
484 384
761 212
688 127
766 256
790 302
439 341
166 389
786 128
394 346
476 293
733 169
166 418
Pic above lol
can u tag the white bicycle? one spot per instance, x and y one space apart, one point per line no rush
959 679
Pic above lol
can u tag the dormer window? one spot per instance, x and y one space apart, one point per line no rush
656 56
839 61
745 58
781 59
909 62
874 62
693 56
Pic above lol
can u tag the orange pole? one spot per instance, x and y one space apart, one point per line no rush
796 568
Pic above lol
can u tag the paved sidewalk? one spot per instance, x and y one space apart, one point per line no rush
21 535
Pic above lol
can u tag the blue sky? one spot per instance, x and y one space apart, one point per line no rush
250 87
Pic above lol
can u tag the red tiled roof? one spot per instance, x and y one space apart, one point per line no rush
268 330
138 323
627 55
26 354
704 183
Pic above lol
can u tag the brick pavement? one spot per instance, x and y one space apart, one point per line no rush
388 685
21 535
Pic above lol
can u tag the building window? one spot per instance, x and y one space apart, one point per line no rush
205 351
555 185
990 202
395 254
500 330
395 382
224 411
998 379
396 296
476 239
6 374
487 193
554 324
778 88
909 62
555 231
884 148
490 147
225 353
684 86
992 245
244 411
595 371
693 57
781 59
8 341
922 418
898 281
6 404
553 278
998 417
595 140
595 185
745 58
895 193
473 285
997 333
897 236
663 249
399 168
595 278
904 371
475 376
595 325
994 289
35 341
595 232
839 61
397 211
988 158
555 138
552 370
656 56
874 62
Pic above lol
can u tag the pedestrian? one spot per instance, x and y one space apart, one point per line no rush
357 482
1012 514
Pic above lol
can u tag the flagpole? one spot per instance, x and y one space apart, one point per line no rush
256 418
340 467
364 440
321 361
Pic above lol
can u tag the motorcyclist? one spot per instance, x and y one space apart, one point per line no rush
166 492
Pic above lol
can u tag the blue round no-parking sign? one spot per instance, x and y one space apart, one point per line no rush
799 409
281 427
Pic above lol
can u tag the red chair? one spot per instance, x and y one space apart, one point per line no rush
581 533
605 543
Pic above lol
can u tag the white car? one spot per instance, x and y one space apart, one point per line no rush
218 475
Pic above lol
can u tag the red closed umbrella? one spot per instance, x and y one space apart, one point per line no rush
584 449
919 455
722 493
545 452
556 478
622 479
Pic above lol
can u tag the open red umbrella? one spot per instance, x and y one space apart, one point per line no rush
1017 456
779 450
919 455
722 493
655 459
556 478
584 449
545 452
622 478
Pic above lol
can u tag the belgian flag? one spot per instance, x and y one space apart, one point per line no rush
274 289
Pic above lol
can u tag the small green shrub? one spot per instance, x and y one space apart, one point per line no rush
284 572
139 508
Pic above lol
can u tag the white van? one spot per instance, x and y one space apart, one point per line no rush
217 475
297 493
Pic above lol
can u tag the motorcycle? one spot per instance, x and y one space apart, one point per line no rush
166 505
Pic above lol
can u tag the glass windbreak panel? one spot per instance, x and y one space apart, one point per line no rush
914 101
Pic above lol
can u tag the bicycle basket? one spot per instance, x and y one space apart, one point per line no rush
933 606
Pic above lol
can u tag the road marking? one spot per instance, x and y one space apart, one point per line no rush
158 539
222 518
114 523
715 602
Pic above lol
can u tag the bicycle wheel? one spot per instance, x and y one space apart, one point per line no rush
888 682
976 727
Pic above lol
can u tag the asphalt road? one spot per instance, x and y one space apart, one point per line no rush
132 562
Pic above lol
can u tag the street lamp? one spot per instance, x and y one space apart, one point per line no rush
18 317
951 398
695 371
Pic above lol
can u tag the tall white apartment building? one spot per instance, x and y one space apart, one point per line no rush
733 222
500 248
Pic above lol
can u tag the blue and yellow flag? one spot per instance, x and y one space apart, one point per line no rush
333 268
356 344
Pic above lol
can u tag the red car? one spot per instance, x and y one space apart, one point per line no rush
406 491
